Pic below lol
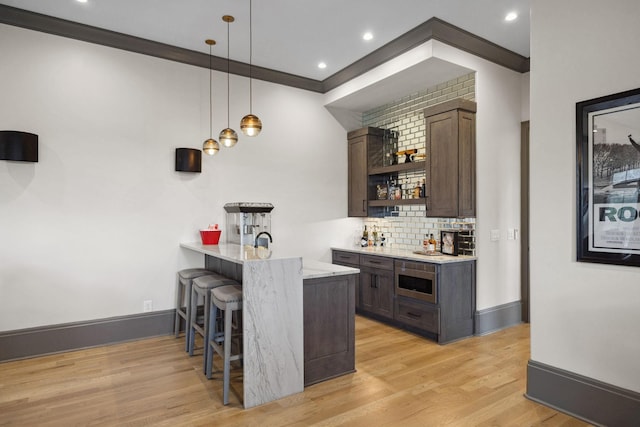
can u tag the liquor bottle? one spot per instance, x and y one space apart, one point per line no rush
375 235
423 189
417 191
365 238
433 243
392 190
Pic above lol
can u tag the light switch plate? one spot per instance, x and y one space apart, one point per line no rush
511 234
495 235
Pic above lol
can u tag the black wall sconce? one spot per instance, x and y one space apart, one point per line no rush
188 160
18 146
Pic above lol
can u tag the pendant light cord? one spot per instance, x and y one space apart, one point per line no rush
210 97
228 69
250 58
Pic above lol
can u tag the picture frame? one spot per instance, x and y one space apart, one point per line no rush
608 179
449 243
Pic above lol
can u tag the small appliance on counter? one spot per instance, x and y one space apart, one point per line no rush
249 223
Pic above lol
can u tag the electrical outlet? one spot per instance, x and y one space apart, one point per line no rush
147 306
511 234
495 235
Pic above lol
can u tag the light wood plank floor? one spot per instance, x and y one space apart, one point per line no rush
402 380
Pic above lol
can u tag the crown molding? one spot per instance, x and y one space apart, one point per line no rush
434 28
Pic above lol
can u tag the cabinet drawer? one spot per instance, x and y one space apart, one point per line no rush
418 315
376 262
348 258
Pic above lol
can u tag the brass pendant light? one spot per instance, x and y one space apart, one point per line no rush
210 146
250 124
228 137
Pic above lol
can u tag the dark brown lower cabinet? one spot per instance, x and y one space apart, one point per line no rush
450 317
329 327
349 259
376 286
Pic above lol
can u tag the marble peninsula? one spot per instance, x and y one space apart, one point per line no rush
298 318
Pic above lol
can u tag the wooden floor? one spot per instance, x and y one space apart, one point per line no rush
402 380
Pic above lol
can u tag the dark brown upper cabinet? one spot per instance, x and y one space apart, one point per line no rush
359 142
451 159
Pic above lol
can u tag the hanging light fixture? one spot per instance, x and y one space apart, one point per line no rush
210 146
250 124
228 137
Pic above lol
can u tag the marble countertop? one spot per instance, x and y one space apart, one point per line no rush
407 255
311 269
317 269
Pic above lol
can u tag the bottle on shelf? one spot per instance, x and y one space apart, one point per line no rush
423 189
392 190
398 191
417 191
381 191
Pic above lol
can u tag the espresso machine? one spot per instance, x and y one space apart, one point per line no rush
248 223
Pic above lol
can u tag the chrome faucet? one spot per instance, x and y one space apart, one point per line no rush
255 245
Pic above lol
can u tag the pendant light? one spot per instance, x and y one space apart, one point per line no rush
228 137
250 124
210 146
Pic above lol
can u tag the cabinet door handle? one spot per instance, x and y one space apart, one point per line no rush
416 316
374 262
364 205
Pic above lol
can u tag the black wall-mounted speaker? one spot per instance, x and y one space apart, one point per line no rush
188 160
18 146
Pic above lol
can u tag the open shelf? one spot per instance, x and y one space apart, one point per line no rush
383 203
402 167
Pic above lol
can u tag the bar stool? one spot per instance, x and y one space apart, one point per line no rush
202 287
183 300
229 300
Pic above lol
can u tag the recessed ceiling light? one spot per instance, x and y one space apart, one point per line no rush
322 65
511 16
81 1
367 36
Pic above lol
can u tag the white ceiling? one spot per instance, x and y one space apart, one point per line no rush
291 35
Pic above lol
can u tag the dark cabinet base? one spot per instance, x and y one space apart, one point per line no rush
450 318
329 327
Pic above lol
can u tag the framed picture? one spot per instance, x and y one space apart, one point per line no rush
608 179
449 242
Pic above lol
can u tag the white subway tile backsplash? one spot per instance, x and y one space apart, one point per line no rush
408 228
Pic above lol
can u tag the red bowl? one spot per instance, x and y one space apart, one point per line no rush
210 237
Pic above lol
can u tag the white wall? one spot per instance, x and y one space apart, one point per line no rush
93 228
498 95
584 317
